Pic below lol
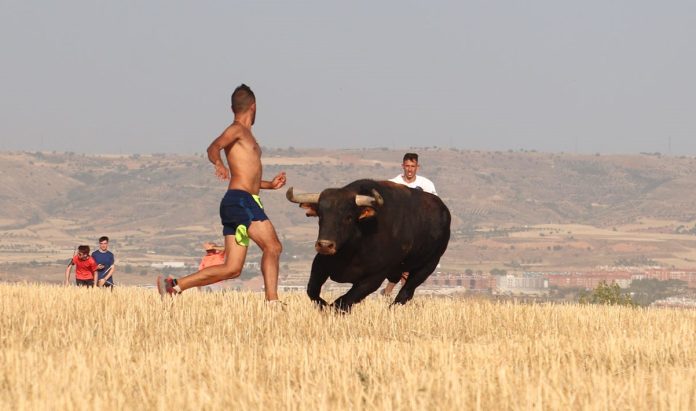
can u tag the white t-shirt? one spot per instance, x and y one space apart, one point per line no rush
420 182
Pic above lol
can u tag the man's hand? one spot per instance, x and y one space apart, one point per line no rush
221 171
101 282
278 181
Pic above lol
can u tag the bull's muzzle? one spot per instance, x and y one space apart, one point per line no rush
325 247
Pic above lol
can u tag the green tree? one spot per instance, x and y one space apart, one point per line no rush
608 295
644 292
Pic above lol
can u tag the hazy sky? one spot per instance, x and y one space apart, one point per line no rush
156 76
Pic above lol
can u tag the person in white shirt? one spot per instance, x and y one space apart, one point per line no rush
410 179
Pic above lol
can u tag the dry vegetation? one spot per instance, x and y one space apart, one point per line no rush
69 348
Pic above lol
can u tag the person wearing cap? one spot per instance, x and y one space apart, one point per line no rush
214 255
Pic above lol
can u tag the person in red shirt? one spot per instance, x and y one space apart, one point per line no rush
85 267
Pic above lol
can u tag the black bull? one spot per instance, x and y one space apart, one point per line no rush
370 231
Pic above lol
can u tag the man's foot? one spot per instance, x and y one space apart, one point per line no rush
167 286
276 305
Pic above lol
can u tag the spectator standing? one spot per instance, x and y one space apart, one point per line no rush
410 178
85 268
106 259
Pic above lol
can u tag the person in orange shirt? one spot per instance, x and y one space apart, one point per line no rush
214 255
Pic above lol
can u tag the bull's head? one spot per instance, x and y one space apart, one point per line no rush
340 212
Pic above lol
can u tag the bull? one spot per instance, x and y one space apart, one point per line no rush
370 231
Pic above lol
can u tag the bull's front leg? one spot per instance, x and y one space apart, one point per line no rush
317 278
358 292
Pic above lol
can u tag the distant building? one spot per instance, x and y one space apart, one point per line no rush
689 277
522 284
169 264
470 282
590 280
677 302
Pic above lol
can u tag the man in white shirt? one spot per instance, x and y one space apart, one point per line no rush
410 179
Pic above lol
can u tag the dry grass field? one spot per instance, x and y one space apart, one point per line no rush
69 348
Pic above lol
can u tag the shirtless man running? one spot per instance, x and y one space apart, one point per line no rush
241 210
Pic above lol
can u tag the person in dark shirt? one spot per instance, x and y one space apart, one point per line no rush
106 259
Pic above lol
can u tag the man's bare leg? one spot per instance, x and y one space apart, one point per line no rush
390 285
388 289
235 255
264 235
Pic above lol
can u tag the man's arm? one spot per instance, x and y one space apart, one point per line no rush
277 182
227 138
93 267
67 273
110 272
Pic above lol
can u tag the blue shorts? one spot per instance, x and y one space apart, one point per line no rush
237 210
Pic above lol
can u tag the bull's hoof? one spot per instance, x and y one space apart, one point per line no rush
341 308
321 304
397 304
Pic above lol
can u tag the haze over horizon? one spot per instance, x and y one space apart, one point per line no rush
155 77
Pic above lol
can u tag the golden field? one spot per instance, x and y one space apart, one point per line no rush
69 348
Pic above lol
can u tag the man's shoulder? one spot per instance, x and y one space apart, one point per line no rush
423 179
235 132
239 130
426 185
397 179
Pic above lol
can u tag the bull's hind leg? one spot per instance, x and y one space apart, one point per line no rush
357 293
415 278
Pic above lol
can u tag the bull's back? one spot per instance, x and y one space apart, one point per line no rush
409 216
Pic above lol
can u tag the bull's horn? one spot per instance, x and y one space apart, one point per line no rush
312 198
378 197
362 200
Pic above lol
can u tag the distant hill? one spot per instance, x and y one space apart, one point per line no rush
167 204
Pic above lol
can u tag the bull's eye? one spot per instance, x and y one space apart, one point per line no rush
349 219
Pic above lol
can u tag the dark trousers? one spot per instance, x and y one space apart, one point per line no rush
84 283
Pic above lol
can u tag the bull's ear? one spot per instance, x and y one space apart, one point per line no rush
367 212
310 209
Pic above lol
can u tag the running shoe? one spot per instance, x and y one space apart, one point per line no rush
165 285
